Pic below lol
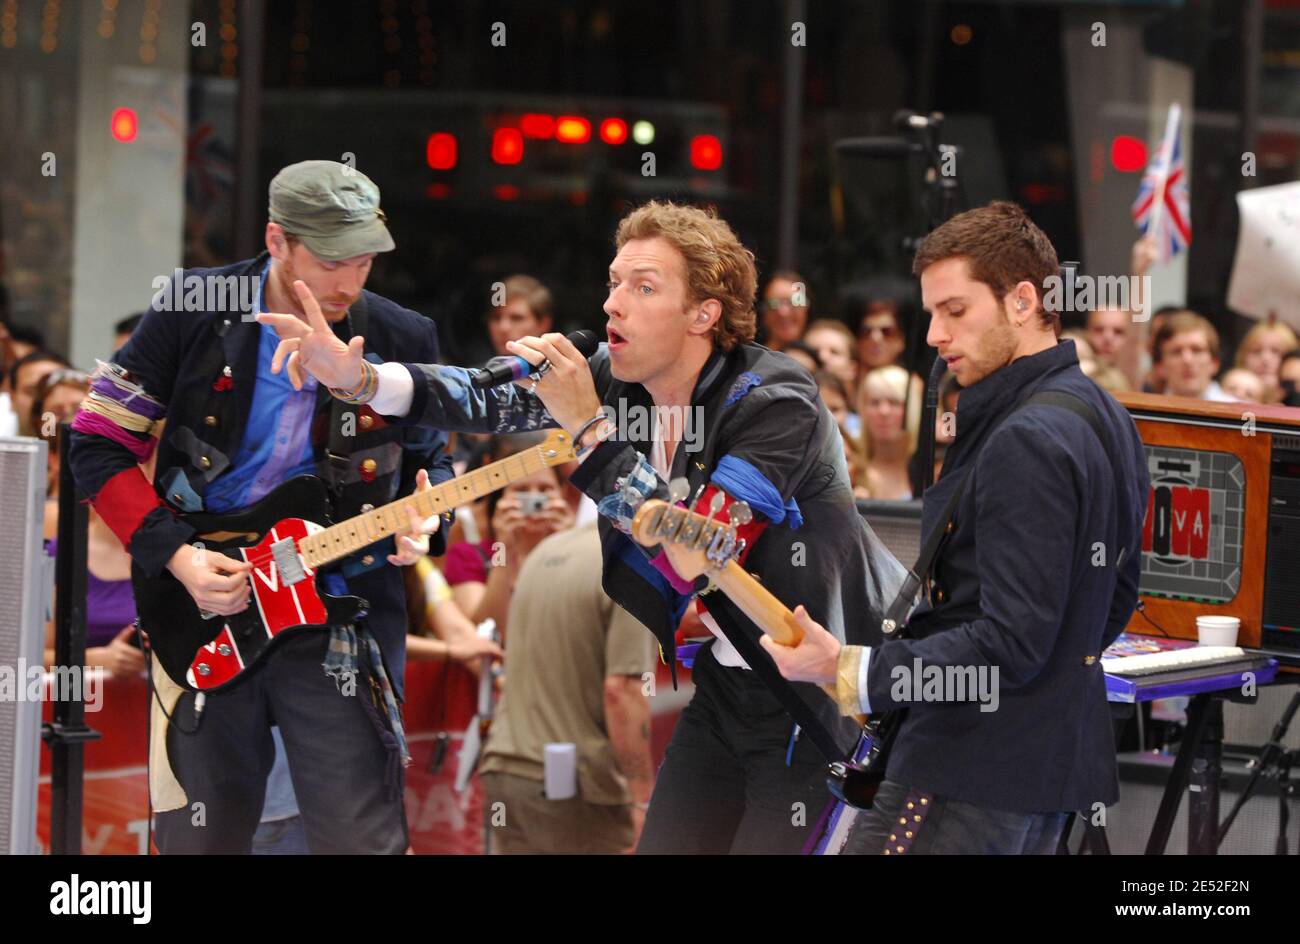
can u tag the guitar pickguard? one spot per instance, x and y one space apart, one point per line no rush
275 605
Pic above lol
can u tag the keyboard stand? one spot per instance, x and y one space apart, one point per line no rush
1198 768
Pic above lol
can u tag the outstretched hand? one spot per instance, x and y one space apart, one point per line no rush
310 345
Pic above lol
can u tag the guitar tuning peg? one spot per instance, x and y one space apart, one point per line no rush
739 513
699 493
678 489
716 504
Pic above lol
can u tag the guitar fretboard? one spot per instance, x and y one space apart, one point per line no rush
348 537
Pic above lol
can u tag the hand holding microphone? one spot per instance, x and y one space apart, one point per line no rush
503 370
565 386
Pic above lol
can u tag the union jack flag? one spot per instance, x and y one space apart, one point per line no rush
1166 175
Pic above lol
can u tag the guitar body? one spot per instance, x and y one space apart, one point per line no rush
855 780
210 654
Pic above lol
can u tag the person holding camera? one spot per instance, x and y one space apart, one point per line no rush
483 575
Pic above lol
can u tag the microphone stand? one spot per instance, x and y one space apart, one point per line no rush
1274 762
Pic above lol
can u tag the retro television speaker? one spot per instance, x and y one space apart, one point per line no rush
1222 528
22 634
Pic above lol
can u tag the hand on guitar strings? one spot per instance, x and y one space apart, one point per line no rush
816 657
218 584
413 543
310 345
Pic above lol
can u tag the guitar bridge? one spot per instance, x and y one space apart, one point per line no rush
287 561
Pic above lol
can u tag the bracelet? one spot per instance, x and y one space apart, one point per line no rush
582 430
846 680
364 393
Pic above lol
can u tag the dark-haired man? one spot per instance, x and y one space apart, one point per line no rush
1007 728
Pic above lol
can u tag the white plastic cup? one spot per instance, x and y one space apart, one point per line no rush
560 771
1217 630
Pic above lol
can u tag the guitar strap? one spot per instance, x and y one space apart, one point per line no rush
344 416
898 611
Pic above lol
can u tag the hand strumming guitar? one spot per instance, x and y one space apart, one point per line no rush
218 584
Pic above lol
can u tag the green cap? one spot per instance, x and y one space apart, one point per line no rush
331 207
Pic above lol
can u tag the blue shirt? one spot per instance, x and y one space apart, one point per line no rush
277 440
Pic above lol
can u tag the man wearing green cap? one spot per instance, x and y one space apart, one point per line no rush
234 431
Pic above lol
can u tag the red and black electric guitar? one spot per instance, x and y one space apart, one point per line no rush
288 537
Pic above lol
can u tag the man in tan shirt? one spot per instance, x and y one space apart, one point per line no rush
575 665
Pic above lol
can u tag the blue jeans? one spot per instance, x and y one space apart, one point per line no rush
949 827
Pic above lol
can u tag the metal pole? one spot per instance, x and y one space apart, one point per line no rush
248 133
1252 41
787 243
67 733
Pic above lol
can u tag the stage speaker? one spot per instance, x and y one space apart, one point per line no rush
897 524
23 572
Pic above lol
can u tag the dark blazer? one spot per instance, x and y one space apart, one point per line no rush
1029 581
181 358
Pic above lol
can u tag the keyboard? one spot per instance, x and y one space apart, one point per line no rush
1191 657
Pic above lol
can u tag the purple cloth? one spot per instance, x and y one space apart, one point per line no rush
87 422
665 567
110 605
135 402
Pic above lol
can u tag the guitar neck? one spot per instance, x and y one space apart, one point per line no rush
754 600
348 537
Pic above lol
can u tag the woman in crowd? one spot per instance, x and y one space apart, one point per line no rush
882 343
836 397
889 444
110 604
833 344
783 309
1260 352
482 576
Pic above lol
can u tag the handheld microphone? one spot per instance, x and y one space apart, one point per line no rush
504 370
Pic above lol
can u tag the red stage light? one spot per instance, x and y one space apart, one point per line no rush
706 152
537 126
507 146
440 151
505 192
572 130
1128 154
613 131
124 125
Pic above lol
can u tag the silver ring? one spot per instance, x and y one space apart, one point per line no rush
542 369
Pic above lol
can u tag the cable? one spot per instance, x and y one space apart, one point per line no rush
1142 608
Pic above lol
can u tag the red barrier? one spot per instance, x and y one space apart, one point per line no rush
114 817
